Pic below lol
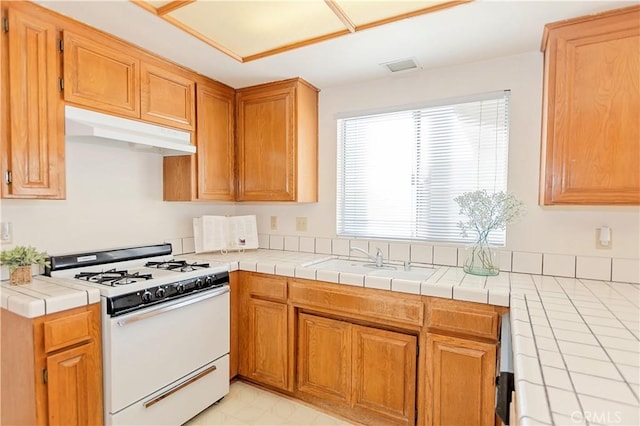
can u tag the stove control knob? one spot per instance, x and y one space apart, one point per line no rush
146 296
160 293
180 288
209 280
199 283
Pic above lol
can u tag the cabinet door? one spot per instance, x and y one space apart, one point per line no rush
266 153
99 75
460 380
266 359
592 102
324 358
74 385
33 140
166 97
215 143
384 373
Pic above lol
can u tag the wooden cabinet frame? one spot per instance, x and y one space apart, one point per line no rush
53 368
590 129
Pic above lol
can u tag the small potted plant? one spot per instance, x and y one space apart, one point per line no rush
19 260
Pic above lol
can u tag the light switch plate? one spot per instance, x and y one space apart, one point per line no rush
301 224
274 223
6 232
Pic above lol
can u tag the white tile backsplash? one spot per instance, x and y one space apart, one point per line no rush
400 252
549 264
291 243
559 265
504 260
340 247
593 268
626 270
307 244
360 244
323 245
526 263
421 253
263 241
276 242
445 255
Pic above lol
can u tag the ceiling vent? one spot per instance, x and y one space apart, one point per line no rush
402 65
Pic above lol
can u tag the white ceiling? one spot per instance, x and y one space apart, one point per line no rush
466 33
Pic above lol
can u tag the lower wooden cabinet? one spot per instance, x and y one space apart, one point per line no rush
264 332
324 358
369 370
266 347
460 381
52 368
354 351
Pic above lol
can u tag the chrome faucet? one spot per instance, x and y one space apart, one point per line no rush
377 259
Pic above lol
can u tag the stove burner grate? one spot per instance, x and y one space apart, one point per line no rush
177 265
113 277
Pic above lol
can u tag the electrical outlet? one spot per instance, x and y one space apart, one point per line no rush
6 233
301 224
274 223
599 244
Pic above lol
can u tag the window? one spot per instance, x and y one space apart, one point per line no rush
398 172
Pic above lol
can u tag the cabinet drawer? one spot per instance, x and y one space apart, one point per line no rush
265 286
67 331
463 318
369 305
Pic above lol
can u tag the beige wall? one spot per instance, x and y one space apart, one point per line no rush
565 230
114 199
114 193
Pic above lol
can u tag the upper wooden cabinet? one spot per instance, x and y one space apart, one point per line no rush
215 142
98 74
210 174
277 142
32 132
591 125
167 96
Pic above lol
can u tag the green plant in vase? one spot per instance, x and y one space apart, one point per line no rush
19 260
485 212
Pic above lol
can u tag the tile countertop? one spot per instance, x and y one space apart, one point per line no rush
44 296
576 342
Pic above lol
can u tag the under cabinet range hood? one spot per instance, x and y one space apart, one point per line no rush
82 123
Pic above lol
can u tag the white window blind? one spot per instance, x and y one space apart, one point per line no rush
399 172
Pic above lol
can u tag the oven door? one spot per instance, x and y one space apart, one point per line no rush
148 350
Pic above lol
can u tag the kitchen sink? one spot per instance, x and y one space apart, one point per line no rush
417 273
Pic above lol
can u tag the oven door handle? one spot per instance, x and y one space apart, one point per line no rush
161 310
182 385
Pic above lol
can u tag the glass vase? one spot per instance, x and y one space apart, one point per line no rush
481 259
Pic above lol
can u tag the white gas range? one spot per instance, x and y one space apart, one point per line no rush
165 331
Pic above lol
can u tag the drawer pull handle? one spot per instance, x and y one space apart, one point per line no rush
182 385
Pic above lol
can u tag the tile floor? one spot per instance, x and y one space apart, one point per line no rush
249 405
